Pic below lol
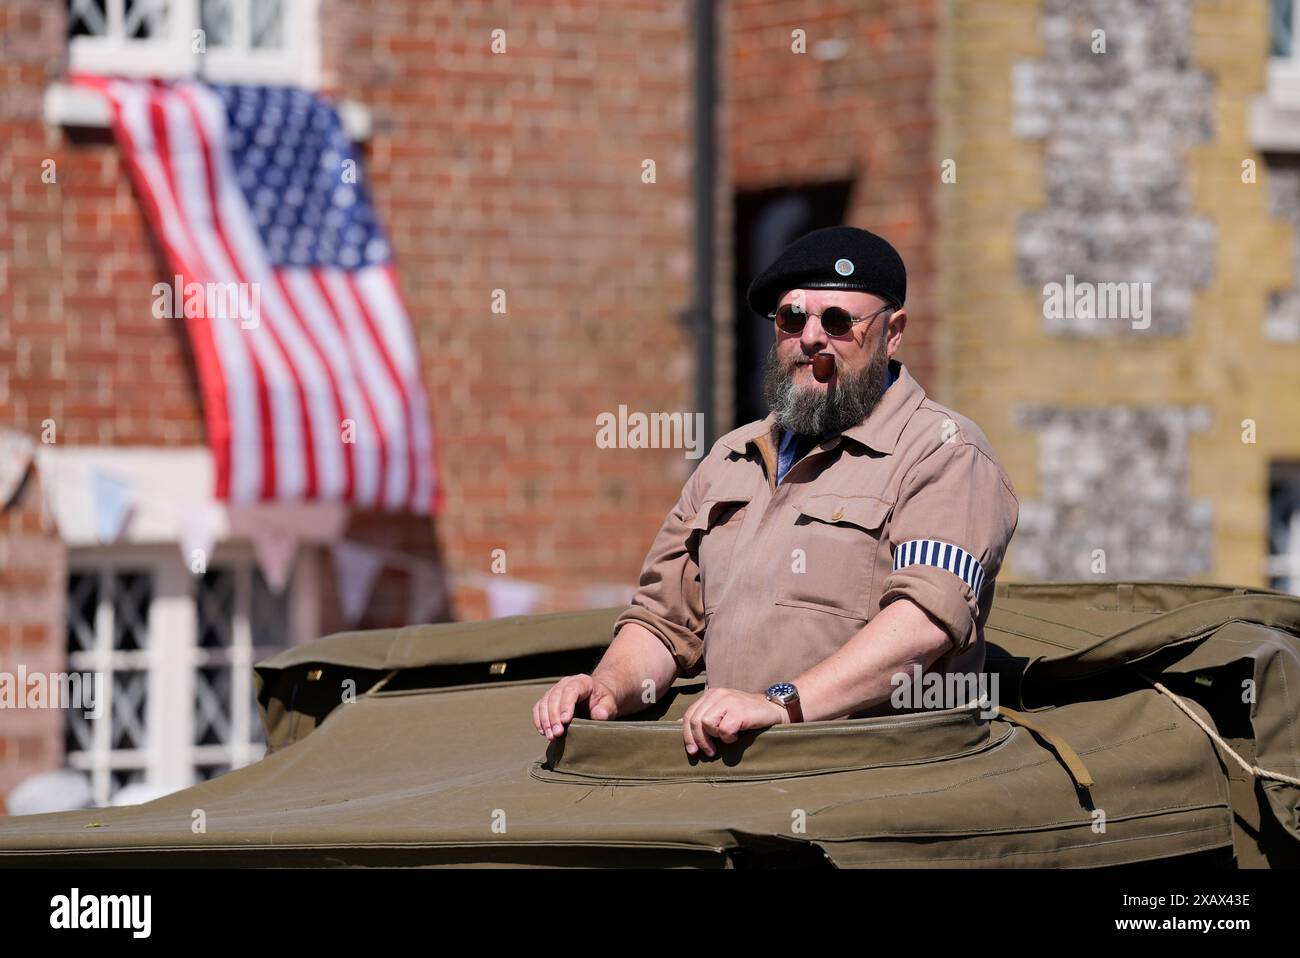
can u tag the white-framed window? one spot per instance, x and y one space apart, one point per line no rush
224 41
1284 59
176 652
1284 527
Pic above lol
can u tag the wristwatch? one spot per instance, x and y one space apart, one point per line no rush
785 694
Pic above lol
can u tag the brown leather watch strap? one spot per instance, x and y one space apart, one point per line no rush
795 710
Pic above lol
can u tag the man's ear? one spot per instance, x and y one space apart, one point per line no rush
897 323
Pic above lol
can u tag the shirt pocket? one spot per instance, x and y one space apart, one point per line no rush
714 532
840 539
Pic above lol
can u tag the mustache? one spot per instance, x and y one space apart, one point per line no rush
801 359
850 398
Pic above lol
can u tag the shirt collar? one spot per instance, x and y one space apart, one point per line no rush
879 431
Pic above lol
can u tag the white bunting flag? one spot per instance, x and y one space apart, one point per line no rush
198 534
429 599
355 571
112 498
511 597
607 596
275 549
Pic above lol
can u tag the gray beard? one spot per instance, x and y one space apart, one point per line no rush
806 412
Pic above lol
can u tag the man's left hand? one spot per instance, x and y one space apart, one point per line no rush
723 714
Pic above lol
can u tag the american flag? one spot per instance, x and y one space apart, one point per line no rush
319 395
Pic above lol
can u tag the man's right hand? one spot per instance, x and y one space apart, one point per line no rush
554 711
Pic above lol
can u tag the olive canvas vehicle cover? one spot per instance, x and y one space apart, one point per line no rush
1135 722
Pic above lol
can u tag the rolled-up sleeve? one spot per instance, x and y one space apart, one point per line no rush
949 531
668 600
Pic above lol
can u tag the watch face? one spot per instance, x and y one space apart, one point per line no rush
782 690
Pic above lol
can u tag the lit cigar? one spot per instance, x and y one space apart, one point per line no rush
823 365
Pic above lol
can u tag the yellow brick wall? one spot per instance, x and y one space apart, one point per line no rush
995 355
1232 365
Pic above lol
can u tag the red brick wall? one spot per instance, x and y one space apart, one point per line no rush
868 116
32 586
522 172
518 171
79 343
43 370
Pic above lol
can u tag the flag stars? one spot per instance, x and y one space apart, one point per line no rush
289 152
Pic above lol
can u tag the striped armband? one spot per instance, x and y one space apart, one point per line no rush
945 555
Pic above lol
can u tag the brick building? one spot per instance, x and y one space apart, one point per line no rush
519 171
997 144
1134 143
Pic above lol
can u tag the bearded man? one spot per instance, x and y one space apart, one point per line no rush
849 538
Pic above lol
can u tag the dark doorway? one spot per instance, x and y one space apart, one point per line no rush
766 222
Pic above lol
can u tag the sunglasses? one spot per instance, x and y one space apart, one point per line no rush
835 319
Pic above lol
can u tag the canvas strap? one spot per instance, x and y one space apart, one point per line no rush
1068 756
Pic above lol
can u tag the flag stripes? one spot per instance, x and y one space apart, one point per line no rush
330 352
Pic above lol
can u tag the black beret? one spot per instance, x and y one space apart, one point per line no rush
837 257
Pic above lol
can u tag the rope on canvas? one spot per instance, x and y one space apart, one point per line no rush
1254 770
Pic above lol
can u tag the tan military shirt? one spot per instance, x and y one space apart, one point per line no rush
757 582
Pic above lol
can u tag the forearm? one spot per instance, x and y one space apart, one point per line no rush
635 656
858 675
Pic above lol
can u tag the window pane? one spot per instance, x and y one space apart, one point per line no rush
216 608
270 615
130 701
1283 510
270 630
208 772
212 706
218 22
267 24
256 734
77 732
87 18
132 595
1282 22
83 601
122 777
145 19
